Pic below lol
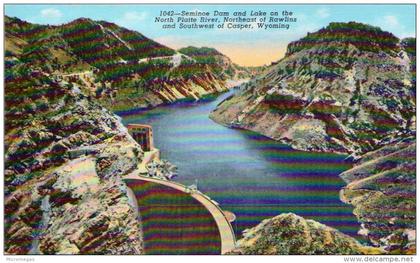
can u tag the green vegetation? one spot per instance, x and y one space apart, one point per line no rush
94 42
284 104
199 51
362 36
382 187
206 56
188 69
120 65
289 234
409 45
217 62
28 31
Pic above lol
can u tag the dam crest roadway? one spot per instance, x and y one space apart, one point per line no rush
176 219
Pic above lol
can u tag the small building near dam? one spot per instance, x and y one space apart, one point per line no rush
143 135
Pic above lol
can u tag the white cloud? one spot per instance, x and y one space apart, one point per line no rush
390 21
51 13
323 12
391 24
305 25
131 19
134 16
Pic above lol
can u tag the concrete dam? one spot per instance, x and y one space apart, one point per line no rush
177 219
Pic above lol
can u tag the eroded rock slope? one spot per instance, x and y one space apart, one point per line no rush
65 156
347 88
289 234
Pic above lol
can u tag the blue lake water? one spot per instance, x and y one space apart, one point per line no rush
248 174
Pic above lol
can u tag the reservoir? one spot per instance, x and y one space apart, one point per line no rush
248 174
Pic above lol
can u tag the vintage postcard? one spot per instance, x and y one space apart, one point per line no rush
209 129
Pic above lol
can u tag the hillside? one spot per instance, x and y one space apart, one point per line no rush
220 64
382 188
65 156
289 234
348 88
122 68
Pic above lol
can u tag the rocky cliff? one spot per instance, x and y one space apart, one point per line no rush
382 188
289 234
348 88
220 64
122 68
65 156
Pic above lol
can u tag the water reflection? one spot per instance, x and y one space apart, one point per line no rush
248 174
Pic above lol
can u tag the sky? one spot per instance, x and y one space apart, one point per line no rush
250 47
